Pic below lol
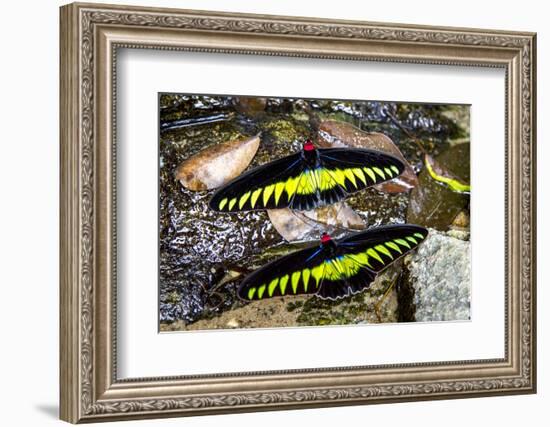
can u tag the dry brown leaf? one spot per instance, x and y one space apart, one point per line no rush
336 219
217 165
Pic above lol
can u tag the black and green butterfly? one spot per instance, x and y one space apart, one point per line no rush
333 269
307 179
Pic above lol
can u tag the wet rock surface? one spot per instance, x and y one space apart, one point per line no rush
440 275
204 255
371 306
433 204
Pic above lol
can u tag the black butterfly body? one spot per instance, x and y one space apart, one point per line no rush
333 269
307 179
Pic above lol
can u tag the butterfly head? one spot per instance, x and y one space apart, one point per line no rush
325 239
308 145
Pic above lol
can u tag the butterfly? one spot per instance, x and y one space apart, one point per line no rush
307 179
333 269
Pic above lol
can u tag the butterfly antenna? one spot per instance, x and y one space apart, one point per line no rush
208 294
312 222
304 218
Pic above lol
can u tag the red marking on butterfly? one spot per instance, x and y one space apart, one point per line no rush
325 238
308 145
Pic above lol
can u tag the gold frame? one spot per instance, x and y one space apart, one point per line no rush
90 36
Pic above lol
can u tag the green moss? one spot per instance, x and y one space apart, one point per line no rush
292 306
316 311
173 297
285 130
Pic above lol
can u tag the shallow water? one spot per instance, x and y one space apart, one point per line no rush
203 254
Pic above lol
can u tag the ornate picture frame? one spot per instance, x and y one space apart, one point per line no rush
90 37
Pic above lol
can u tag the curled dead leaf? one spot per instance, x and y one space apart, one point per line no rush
333 133
444 176
336 219
217 165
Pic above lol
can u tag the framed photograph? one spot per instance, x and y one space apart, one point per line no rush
267 212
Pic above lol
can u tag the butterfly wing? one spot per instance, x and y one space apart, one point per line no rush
269 186
360 257
294 274
294 183
344 171
340 172
332 273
